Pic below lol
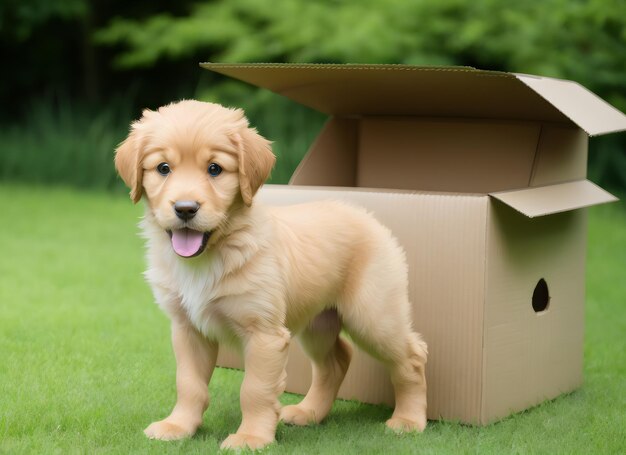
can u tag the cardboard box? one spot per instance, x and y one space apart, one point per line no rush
482 178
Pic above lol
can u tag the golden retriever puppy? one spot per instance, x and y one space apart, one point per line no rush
226 270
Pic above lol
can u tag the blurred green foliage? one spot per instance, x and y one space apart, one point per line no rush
64 143
580 40
19 18
154 47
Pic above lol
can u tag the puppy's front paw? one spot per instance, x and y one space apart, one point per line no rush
244 441
295 415
167 431
400 425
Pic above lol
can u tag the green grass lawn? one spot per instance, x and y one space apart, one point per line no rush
86 363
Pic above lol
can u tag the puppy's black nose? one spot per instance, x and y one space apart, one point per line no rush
186 210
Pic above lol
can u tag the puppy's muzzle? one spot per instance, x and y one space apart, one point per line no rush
186 210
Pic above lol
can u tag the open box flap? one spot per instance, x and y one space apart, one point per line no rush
427 91
562 197
584 108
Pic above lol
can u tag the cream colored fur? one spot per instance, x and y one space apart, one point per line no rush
267 273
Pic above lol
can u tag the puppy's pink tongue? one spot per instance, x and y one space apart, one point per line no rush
187 242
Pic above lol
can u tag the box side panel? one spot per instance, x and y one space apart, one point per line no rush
446 255
532 355
561 155
446 155
331 160
444 240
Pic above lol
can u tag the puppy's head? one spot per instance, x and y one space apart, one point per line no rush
194 162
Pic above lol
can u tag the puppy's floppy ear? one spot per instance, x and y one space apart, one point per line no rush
256 161
128 163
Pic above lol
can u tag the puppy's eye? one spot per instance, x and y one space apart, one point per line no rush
163 169
215 169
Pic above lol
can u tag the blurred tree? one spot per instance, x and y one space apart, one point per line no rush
582 40
35 31
99 49
48 51
20 18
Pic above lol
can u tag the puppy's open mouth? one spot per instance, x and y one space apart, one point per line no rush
187 242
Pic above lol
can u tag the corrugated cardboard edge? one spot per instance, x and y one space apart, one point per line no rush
550 199
581 106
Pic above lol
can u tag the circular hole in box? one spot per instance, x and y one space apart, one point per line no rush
541 296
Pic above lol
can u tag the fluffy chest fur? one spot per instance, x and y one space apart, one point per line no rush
221 292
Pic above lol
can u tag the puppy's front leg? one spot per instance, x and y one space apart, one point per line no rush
195 361
265 357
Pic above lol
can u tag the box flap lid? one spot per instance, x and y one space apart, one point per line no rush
428 91
583 107
562 197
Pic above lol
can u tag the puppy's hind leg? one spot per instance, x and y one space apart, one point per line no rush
330 357
409 383
387 333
